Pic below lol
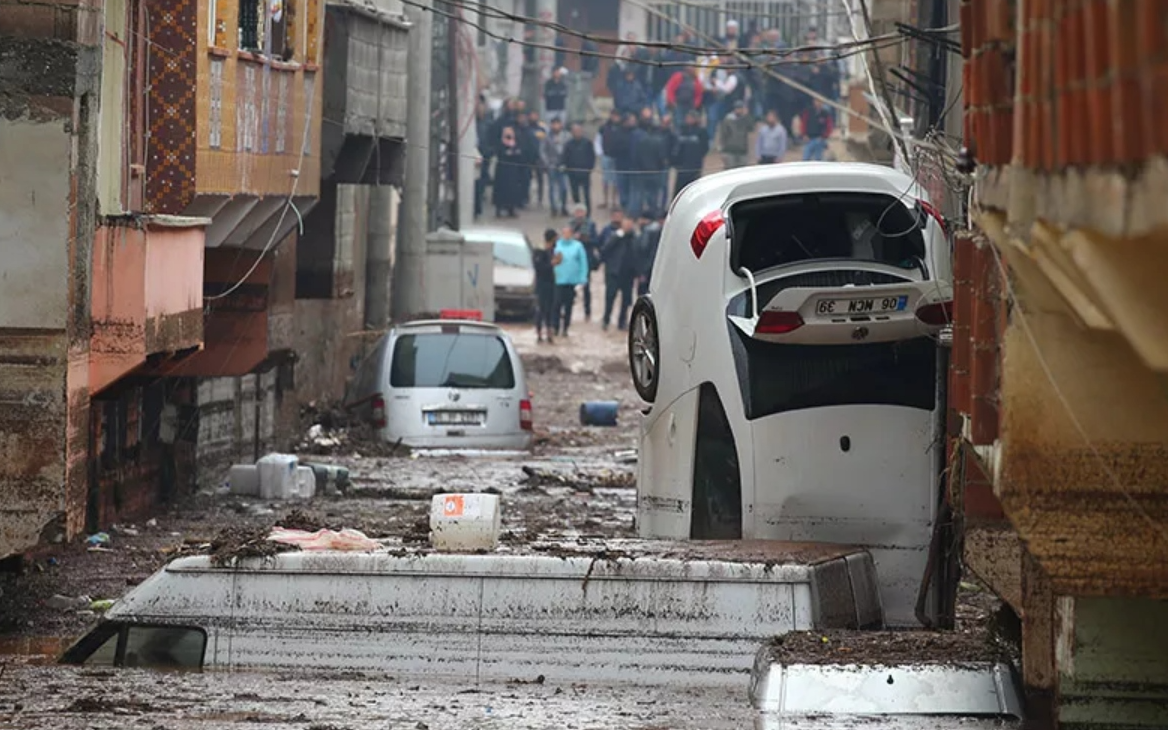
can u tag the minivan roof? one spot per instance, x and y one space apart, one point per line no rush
468 323
494 235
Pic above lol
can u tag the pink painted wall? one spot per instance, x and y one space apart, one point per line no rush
174 270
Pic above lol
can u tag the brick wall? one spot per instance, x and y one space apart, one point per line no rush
1057 84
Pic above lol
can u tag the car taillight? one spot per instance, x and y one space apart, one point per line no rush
778 323
932 212
378 412
936 315
525 420
706 229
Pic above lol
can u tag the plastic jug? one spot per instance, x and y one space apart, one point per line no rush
244 480
305 482
464 522
277 476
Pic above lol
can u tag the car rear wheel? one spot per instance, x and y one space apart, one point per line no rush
644 349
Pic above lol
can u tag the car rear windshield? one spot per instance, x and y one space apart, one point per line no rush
779 378
451 360
513 253
788 229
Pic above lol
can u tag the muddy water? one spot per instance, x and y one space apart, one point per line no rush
78 699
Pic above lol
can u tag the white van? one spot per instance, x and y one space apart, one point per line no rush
789 350
445 384
639 612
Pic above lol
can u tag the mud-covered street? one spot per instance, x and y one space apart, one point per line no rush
577 483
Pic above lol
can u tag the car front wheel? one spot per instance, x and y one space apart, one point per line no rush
644 349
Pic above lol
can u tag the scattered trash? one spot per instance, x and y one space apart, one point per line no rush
278 476
599 413
345 540
244 480
98 540
152 522
579 480
58 602
129 531
465 521
236 544
102 605
629 456
330 480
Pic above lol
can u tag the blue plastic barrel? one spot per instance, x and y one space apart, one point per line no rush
599 413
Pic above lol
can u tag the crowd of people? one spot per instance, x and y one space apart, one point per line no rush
623 251
671 108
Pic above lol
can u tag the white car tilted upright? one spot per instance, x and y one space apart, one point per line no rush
789 348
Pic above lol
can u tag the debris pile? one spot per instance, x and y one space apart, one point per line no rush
579 480
333 431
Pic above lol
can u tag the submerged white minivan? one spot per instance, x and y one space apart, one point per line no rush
446 383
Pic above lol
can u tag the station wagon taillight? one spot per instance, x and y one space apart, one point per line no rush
932 212
936 315
525 419
378 412
778 323
706 229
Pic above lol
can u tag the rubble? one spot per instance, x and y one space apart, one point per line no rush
579 480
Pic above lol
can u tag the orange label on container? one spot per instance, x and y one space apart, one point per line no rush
453 506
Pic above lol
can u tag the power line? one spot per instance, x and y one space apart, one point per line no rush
798 86
714 50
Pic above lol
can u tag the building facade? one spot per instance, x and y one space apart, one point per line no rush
1060 350
158 158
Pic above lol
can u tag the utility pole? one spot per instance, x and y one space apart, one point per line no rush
409 295
455 161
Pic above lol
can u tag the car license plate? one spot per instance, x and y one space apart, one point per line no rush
876 305
455 418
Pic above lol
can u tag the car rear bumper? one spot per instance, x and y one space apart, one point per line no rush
506 442
510 303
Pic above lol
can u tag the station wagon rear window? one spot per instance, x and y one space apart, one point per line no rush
451 360
778 378
788 229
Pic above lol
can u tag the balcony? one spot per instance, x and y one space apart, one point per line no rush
147 294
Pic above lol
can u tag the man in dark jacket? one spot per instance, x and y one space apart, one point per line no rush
529 144
650 156
555 97
579 160
486 149
646 249
689 153
630 96
619 257
618 143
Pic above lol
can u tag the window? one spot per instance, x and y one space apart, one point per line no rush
106 654
250 31
780 378
451 360
158 647
164 647
513 253
787 229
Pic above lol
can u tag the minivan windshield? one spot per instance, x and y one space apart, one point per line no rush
787 229
451 360
513 253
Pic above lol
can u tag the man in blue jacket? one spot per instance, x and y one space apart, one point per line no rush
571 272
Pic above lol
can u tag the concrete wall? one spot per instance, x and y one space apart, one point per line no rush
236 424
329 335
49 79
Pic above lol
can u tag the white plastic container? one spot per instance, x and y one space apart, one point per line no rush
277 476
464 522
305 482
244 480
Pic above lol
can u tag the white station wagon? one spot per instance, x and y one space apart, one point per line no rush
789 351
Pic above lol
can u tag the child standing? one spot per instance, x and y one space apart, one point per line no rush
545 260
